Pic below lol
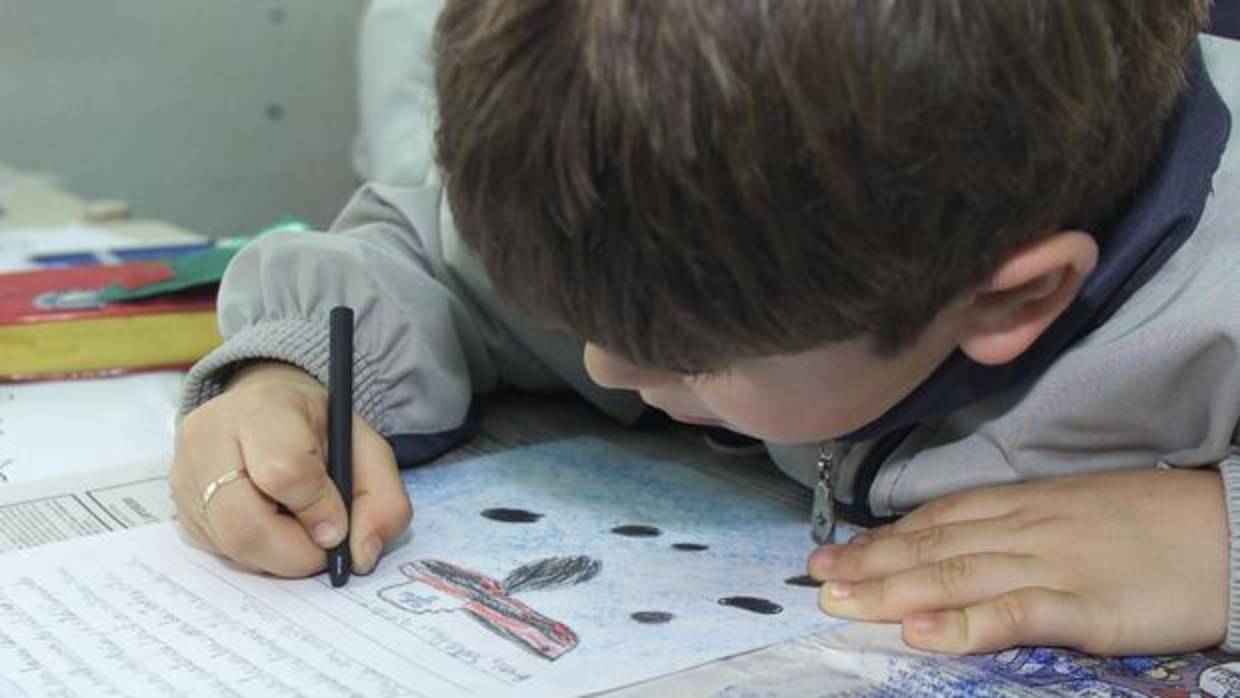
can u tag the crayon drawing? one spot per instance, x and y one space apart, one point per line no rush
576 565
436 586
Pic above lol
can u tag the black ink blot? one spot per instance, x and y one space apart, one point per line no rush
803 580
511 515
752 603
636 531
652 617
690 547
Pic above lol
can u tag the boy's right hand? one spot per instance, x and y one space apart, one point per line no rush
285 512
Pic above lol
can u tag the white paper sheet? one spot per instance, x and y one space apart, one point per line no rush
61 428
18 246
561 569
95 501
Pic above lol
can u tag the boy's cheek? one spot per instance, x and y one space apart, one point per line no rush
676 402
781 417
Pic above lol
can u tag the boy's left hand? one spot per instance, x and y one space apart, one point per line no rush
1124 562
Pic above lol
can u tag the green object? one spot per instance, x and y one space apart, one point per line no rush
285 224
197 269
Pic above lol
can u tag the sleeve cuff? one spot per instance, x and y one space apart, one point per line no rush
1229 468
298 342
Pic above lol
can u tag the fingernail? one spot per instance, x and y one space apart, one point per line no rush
923 623
370 555
820 563
325 534
840 590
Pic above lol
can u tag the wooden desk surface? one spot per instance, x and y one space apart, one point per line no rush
35 201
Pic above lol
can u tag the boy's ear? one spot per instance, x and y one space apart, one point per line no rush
1031 287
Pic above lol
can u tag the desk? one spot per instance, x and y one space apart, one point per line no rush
35 201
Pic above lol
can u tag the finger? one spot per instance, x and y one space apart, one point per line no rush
247 527
867 535
381 508
285 461
188 505
197 534
1028 616
889 554
955 582
971 505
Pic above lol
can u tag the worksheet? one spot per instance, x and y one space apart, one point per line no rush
69 428
96 501
569 567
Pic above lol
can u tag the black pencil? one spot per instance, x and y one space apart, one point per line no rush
340 432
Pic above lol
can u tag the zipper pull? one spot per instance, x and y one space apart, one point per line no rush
822 516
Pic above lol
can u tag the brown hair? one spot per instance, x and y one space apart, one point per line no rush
690 182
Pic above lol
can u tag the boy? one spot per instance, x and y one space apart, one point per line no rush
966 255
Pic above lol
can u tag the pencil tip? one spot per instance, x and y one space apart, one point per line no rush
338 573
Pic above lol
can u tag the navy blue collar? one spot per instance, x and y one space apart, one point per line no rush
1161 215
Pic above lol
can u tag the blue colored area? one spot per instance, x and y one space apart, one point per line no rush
136 254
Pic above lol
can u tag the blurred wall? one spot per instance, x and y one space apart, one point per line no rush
220 116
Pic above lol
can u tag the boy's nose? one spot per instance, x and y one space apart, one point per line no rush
611 371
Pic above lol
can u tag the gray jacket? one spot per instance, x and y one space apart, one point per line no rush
1158 383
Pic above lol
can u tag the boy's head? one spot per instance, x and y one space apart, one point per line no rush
697 185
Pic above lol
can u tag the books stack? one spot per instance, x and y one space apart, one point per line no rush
101 314
80 321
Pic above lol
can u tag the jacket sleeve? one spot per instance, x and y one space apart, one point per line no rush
429 332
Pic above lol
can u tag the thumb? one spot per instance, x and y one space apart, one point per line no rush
381 508
285 461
